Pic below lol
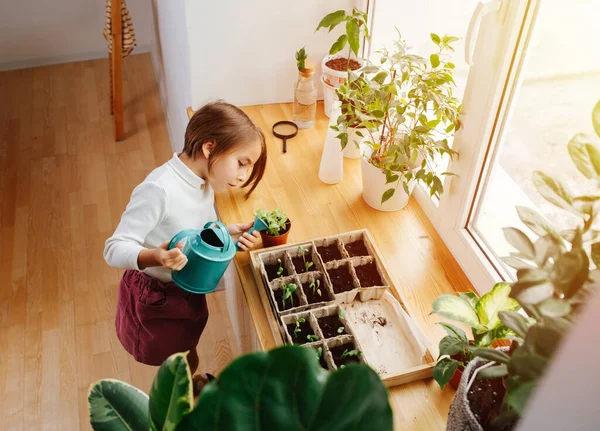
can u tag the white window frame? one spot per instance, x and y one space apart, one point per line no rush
498 56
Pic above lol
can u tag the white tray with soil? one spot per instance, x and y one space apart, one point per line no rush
334 294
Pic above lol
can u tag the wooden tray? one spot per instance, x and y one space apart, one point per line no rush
407 357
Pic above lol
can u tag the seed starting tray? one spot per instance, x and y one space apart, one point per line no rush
345 306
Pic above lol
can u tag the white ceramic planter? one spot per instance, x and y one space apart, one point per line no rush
329 97
336 78
352 150
373 180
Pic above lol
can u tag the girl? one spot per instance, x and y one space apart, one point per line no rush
155 318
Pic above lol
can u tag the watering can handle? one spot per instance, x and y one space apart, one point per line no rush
181 235
223 229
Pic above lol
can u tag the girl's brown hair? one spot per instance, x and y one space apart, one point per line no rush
228 126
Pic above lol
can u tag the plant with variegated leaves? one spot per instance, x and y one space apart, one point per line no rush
556 272
481 315
407 107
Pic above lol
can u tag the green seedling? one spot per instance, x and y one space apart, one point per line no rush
319 352
351 353
280 269
312 338
340 329
315 286
307 265
301 58
341 314
288 290
297 330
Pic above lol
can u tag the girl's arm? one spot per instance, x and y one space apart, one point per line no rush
146 209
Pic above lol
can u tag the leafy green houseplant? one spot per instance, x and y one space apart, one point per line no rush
251 393
556 272
407 107
481 315
279 226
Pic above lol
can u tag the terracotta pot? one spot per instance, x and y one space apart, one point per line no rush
455 379
273 240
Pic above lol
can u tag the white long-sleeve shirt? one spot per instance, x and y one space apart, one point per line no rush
172 198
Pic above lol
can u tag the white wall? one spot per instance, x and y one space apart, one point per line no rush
34 33
171 60
243 51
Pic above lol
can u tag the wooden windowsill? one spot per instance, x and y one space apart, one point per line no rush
418 261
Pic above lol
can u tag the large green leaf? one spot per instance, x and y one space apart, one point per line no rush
515 321
286 389
443 371
491 354
471 297
585 156
116 406
455 308
332 19
553 191
532 292
535 221
596 118
494 301
518 395
454 331
171 393
527 365
571 271
520 241
493 372
450 345
338 45
352 30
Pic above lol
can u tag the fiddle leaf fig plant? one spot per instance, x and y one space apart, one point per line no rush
407 107
276 220
556 272
246 392
481 315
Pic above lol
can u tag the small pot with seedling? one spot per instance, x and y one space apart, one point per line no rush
301 263
276 270
279 226
286 297
345 354
301 332
313 288
332 324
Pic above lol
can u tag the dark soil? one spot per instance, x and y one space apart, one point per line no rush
368 275
341 64
329 252
300 337
485 398
313 298
299 264
329 325
337 354
357 248
279 295
341 279
272 271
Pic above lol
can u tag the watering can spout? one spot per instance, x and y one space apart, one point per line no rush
259 225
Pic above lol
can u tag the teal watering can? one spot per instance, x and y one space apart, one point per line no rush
209 252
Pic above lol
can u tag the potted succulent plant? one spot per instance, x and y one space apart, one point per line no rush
253 389
336 65
279 226
481 315
553 280
408 110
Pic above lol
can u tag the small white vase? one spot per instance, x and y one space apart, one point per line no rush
331 170
373 180
352 150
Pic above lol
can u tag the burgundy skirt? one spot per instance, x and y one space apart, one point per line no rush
156 319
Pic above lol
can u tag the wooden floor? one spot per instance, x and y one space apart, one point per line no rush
64 184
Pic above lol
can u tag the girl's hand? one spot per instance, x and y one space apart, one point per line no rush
172 259
247 241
